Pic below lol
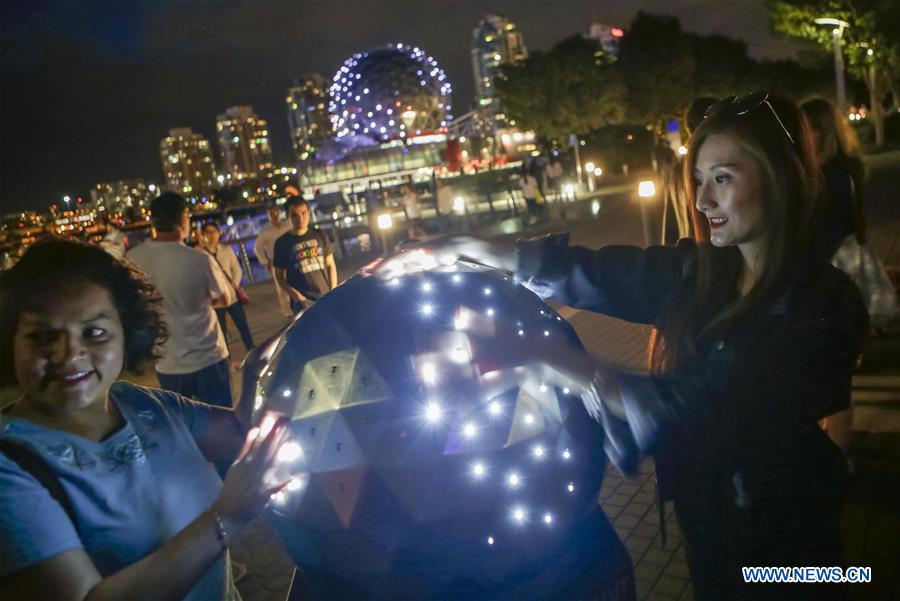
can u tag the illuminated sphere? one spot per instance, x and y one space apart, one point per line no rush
414 474
393 92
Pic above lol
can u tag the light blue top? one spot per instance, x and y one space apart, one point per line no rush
130 492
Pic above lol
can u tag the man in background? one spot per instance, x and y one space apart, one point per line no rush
194 358
265 252
304 261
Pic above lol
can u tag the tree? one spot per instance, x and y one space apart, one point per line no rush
871 44
565 90
656 62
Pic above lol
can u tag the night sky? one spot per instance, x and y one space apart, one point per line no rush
89 87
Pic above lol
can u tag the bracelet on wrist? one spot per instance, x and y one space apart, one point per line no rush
221 531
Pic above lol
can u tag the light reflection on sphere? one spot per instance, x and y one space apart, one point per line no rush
407 466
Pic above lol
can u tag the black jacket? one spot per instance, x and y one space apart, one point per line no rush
754 478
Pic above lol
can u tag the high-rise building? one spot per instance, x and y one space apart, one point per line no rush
243 143
114 197
609 38
495 42
187 163
307 104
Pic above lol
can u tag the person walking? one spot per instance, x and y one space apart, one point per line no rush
235 297
264 249
413 207
194 359
529 186
304 262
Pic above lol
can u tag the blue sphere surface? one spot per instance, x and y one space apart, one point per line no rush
423 457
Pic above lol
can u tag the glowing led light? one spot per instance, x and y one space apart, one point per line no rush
490 540
542 312
429 373
529 419
571 487
433 412
513 480
478 470
566 390
469 430
286 393
490 312
495 408
456 278
548 518
518 514
487 291
427 309
538 452
394 282
289 451
521 332
567 454
546 332
543 388
426 287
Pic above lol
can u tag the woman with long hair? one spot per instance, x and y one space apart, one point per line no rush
756 339
840 159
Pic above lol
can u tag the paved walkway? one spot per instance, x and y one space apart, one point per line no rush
872 520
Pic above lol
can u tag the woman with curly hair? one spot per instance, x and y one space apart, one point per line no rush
106 488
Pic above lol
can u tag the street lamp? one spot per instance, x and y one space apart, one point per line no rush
646 189
385 222
836 34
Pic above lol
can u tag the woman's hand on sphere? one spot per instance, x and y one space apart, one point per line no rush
248 488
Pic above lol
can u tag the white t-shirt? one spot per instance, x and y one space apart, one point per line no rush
529 186
445 199
232 267
411 202
265 241
188 281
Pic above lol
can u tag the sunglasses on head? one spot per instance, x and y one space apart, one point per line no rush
743 105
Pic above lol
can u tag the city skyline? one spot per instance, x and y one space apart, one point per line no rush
87 96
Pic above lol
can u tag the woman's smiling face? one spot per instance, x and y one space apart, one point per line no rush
69 348
729 188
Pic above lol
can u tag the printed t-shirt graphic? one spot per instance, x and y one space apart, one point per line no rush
303 259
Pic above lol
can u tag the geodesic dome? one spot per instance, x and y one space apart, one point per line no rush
393 92
414 474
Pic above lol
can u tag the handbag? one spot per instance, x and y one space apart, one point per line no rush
865 269
238 290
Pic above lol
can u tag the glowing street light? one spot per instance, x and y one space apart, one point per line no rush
385 222
836 35
646 189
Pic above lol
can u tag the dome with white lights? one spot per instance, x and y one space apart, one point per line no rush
416 466
393 92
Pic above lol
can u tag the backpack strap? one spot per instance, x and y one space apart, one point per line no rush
38 467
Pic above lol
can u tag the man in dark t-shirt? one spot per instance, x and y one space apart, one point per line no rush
303 259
